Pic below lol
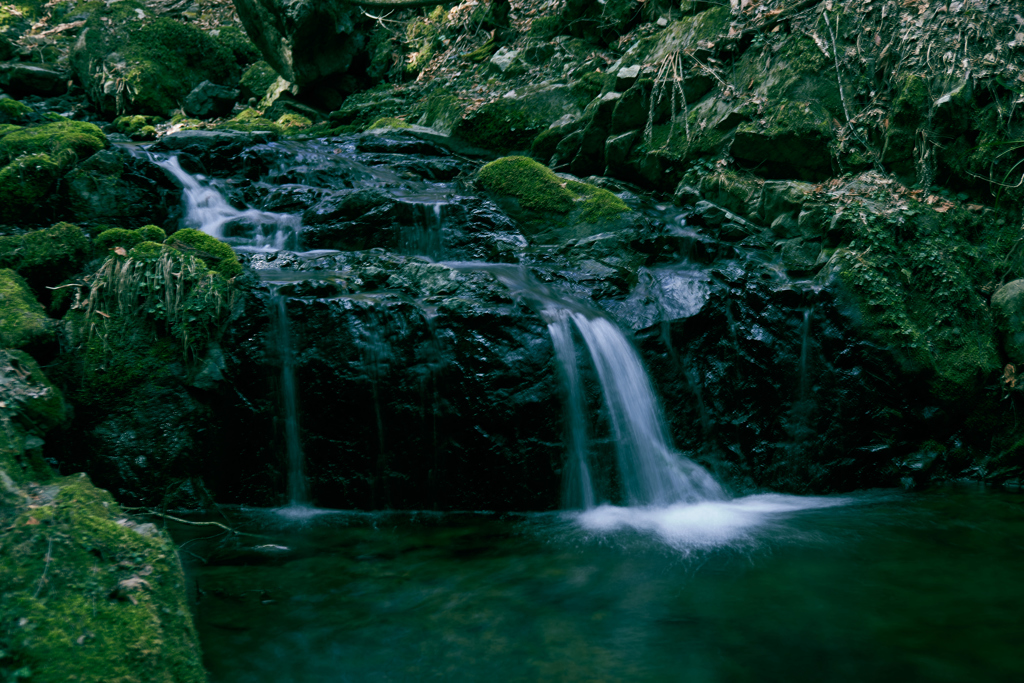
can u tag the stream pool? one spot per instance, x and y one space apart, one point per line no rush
870 586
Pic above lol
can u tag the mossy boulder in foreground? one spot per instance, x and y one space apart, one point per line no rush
76 138
88 594
217 255
551 209
47 257
23 321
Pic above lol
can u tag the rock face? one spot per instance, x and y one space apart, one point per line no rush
1008 316
449 400
209 99
304 41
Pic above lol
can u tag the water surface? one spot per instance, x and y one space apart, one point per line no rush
881 586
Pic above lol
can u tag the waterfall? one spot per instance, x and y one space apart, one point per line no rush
298 486
577 485
424 237
652 473
206 209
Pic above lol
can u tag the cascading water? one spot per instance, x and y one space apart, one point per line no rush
651 472
577 485
298 486
245 230
424 236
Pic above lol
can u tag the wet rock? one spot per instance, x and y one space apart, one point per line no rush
208 100
792 143
21 80
424 371
116 187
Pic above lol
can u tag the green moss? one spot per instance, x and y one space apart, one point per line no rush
24 185
423 38
52 255
482 53
591 85
388 122
217 255
237 42
257 79
10 251
13 111
152 233
546 27
544 145
112 606
43 407
504 125
64 136
250 120
23 321
293 122
916 276
116 237
551 209
913 101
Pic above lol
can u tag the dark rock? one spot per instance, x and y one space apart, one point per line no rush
447 405
116 187
308 40
21 80
208 100
1008 316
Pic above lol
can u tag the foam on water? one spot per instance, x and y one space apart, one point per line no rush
706 524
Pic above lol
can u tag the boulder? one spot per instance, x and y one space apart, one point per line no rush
23 322
1008 317
208 100
308 40
20 80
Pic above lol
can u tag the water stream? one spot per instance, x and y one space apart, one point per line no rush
678 583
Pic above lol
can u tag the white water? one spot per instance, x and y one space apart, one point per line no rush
652 472
705 524
244 229
577 485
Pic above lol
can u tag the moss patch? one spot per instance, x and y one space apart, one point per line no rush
78 138
50 256
217 255
24 185
916 276
257 79
549 208
23 321
388 122
13 111
110 605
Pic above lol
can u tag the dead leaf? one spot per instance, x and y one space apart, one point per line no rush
120 251
32 521
103 314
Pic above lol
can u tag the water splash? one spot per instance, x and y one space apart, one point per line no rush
577 484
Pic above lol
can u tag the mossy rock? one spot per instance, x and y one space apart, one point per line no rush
504 125
119 237
914 275
50 256
293 123
250 121
137 127
25 183
388 122
113 604
23 322
237 42
549 209
217 255
423 38
146 66
78 138
13 111
794 142
256 80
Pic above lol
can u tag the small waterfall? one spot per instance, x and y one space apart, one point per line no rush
577 485
246 230
298 486
805 337
425 237
652 473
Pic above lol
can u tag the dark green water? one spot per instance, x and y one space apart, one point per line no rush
876 586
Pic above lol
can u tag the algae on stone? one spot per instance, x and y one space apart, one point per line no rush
23 321
78 138
24 185
551 209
